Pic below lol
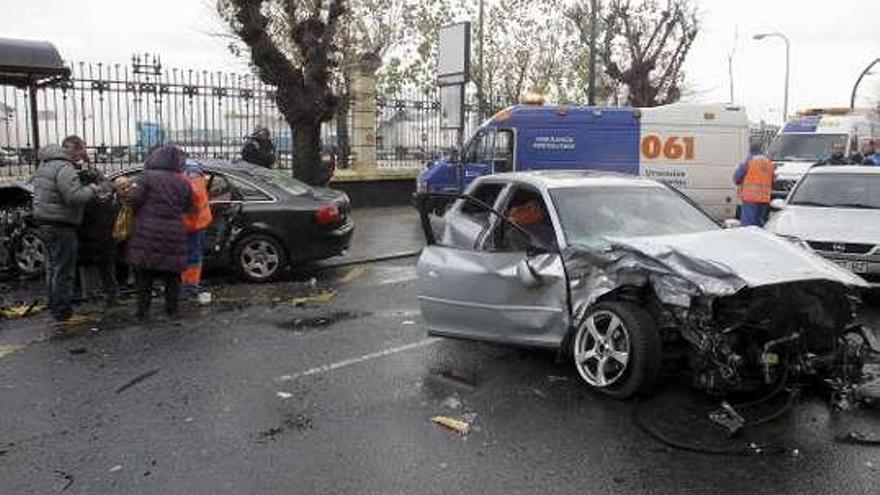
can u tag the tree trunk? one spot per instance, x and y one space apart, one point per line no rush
306 141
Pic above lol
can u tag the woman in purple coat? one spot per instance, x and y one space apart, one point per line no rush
157 247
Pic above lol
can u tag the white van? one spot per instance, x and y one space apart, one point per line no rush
809 137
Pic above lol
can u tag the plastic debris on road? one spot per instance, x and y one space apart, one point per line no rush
115 468
6 350
320 297
21 310
284 395
456 425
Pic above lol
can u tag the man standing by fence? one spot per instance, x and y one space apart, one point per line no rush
258 148
59 199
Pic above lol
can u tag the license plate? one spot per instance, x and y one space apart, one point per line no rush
853 266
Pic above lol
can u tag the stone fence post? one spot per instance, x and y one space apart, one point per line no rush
363 139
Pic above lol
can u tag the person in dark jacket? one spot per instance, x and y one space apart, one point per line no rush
97 249
157 247
59 199
258 148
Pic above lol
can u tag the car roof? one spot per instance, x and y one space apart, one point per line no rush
845 169
553 179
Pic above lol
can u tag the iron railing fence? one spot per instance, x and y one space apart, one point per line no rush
121 111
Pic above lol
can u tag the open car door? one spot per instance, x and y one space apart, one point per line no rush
490 289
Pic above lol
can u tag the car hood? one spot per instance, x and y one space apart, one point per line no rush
828 224
715 263
791 170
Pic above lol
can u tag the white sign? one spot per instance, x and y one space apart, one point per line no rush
453 62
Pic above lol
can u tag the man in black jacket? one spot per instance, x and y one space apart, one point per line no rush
258 148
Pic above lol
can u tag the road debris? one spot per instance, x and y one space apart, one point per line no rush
77 350
6 350
21 310
300 325
115 468
456 425
283 395
728 418
134 381
65 476
452 378
858 438
408 322
452 402
320 297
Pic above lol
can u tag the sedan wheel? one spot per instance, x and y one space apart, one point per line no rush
30 253
259 258
617 349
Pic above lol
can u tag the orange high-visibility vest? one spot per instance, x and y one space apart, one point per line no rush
200 217
758 182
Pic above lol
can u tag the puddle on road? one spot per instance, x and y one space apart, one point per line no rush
313 323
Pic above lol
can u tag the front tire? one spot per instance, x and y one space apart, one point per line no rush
617 349
259 258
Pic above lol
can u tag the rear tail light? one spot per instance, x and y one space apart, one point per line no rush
328 215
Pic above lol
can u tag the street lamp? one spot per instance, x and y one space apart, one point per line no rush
787 65
852 98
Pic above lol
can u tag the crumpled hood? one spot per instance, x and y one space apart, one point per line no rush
715 263
827 224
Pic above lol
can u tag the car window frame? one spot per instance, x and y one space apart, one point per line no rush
232 178
501 205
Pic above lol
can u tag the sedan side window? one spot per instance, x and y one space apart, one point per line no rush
527 209
487 193
248 192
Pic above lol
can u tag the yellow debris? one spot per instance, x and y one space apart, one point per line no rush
352 274
321 297
6 350
19 310
456 425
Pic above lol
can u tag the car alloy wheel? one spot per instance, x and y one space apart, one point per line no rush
617 349
259 258
30 253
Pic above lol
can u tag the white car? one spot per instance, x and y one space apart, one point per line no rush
835 210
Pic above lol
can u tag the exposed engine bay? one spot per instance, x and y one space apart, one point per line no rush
738 334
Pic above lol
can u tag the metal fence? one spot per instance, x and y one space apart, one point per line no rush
121 111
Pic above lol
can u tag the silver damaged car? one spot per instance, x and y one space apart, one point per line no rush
616 272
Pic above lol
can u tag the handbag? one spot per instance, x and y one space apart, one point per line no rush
123 224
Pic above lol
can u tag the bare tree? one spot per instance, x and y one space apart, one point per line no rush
644 47
300 70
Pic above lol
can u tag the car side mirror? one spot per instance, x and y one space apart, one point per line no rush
732 223
527 274
777 204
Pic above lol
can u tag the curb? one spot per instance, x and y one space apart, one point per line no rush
377 259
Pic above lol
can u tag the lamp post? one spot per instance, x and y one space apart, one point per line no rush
480 95
852 98
787 65
591 90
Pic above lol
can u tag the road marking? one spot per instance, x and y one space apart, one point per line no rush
318 370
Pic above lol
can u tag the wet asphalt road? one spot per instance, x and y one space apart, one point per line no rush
335 396
290 388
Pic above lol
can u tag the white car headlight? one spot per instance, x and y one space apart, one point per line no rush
421 186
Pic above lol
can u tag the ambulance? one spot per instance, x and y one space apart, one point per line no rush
694 148
809 137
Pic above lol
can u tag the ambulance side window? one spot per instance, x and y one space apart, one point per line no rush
476 148
503 159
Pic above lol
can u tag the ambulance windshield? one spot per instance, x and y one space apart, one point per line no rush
804 147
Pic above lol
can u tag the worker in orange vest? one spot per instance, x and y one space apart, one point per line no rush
196 221
755 181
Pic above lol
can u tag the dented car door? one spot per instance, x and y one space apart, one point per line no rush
495 291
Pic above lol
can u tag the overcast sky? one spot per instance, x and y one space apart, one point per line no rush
831 42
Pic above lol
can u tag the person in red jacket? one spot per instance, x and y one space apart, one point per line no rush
196 221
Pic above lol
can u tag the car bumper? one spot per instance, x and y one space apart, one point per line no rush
865 266
326 244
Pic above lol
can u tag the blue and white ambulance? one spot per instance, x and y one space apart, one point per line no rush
808 138
692 147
